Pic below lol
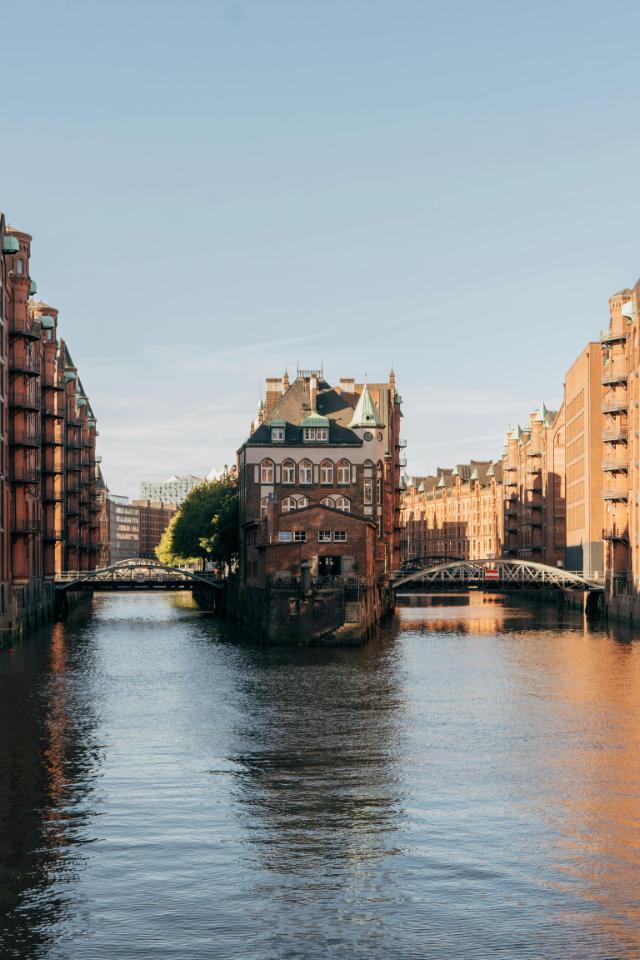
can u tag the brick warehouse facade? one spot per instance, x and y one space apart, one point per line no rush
155 517
319 484
567 487
48 466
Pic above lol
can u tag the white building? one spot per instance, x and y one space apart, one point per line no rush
172 490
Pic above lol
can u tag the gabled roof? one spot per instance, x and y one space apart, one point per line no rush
365 414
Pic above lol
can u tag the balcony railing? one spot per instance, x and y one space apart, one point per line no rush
25 527
615 435
21 437
25 327
52 496
535 452
615 493
73 443
25 473
615 373
615 406
23 399
24 364
614 466
51 466
613 336
533 468
52 439
614 533
49 409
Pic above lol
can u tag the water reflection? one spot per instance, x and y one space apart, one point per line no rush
466 786
49 762
318 784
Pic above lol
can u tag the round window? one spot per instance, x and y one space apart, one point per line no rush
368 436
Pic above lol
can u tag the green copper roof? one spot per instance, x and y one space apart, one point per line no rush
365 413
46 321
315 420
10 244
277 423
69 375
33 288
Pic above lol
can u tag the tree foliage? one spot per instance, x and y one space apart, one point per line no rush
205 527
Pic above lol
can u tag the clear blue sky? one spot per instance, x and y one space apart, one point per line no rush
219 190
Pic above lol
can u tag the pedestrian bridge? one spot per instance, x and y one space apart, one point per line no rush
501 574
136 574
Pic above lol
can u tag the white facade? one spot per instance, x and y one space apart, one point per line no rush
173 490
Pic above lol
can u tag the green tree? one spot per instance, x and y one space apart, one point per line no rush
205 527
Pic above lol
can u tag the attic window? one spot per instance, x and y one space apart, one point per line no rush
277 434
316 433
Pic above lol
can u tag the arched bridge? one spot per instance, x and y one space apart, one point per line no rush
419 563
500 574
135 574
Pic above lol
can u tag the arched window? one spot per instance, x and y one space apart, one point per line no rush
303 502
328 502
342 503
288 471
306 471
288 504
266 471
344 471
326 472
19 266
264 503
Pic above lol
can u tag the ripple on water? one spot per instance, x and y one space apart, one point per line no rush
466 786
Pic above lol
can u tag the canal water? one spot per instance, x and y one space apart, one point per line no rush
465 786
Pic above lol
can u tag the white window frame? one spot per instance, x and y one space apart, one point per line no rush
340 536
267 469
285 536
289 504
288 469
299 536
344 504
319 434
307 467
326 473
324 536
277 434
343 473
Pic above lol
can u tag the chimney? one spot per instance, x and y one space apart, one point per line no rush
313 391
285 382
273 394
347 385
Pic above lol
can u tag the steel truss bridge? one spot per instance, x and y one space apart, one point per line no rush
135 574
495 575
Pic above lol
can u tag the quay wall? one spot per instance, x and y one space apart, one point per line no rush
318 617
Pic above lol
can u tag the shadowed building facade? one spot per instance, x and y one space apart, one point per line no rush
319 483
48 441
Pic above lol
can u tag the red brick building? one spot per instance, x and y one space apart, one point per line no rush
48 463
334 448
155 517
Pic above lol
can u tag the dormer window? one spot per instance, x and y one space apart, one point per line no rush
316 434
278 431
315 429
